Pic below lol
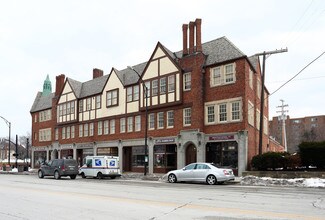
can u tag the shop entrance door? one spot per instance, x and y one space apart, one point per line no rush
127 159
190 154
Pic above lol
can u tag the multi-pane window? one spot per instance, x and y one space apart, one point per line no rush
187 81
251 78
112 98
100 128
91 129
112 126
56 134
64 112
85 130
170 119
160 119
187 112
81 131
151 121
68 107
229 72
223 112
135 93
137 123
72 107
147 89
122 125
258 119
171 83
88 104
63 133
130 124
106 128
155 87
235 111
44 116
211 114
216 76
129 94
98 101
250 113
68 133
163 85
72 131
81 105
44 135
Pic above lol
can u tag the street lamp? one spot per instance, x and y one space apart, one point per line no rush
9 125
145 88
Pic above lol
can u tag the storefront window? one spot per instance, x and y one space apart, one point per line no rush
165 156
107 151
138 158
223 154
39 158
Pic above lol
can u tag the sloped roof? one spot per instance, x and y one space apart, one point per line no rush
93 87
128 76
42 102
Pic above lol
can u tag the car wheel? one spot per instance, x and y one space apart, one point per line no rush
40 174
73 176
83 175
99 175
172 178
211 180
57 175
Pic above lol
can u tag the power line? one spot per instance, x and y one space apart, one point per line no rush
315 77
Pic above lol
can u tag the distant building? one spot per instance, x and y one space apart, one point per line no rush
203 105
311 128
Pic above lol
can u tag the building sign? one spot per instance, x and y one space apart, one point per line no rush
222 138
166 140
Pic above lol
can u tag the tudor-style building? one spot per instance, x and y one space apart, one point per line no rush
203 105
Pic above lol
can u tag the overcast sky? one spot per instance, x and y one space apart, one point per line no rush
73 37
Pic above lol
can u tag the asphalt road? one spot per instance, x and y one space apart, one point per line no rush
28 197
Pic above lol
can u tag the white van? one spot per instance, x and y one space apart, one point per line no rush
100 166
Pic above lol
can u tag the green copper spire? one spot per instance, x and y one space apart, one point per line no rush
47 86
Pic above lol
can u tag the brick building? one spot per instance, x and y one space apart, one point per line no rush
311 128
203 105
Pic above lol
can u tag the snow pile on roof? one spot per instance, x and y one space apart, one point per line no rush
298 182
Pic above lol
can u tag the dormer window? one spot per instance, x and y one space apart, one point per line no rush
222 75
112 98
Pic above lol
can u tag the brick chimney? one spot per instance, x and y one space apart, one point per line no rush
185 49
59 84
191 40
198 22
97 73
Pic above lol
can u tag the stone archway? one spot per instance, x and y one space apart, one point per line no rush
190 156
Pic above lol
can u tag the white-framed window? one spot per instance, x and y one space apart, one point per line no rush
35 118
171 83
170 119
130 124
72 131
187 81
160 120
235 111
44 135
112 98
64 112
251 78
187 112
258 119
162 85
122 125
112 126
147 85
63 133
151 121
250 111
81 131
81 105
229 73
136 93
129 95
106 128
211 114
88 104
68 108
56 134
91 129
98 101
221 75
155 87
86 130
222 112
137 123
100 128
68 133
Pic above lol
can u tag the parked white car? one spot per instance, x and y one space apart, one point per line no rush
201 172
100 166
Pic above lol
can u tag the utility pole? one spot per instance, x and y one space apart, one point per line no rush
283 118
260 149
27 146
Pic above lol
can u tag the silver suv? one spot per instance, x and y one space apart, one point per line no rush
58 168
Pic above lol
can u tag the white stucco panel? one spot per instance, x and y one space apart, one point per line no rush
132 107
159 53
167 66
152 70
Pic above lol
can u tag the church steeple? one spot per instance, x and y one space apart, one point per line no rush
47 86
